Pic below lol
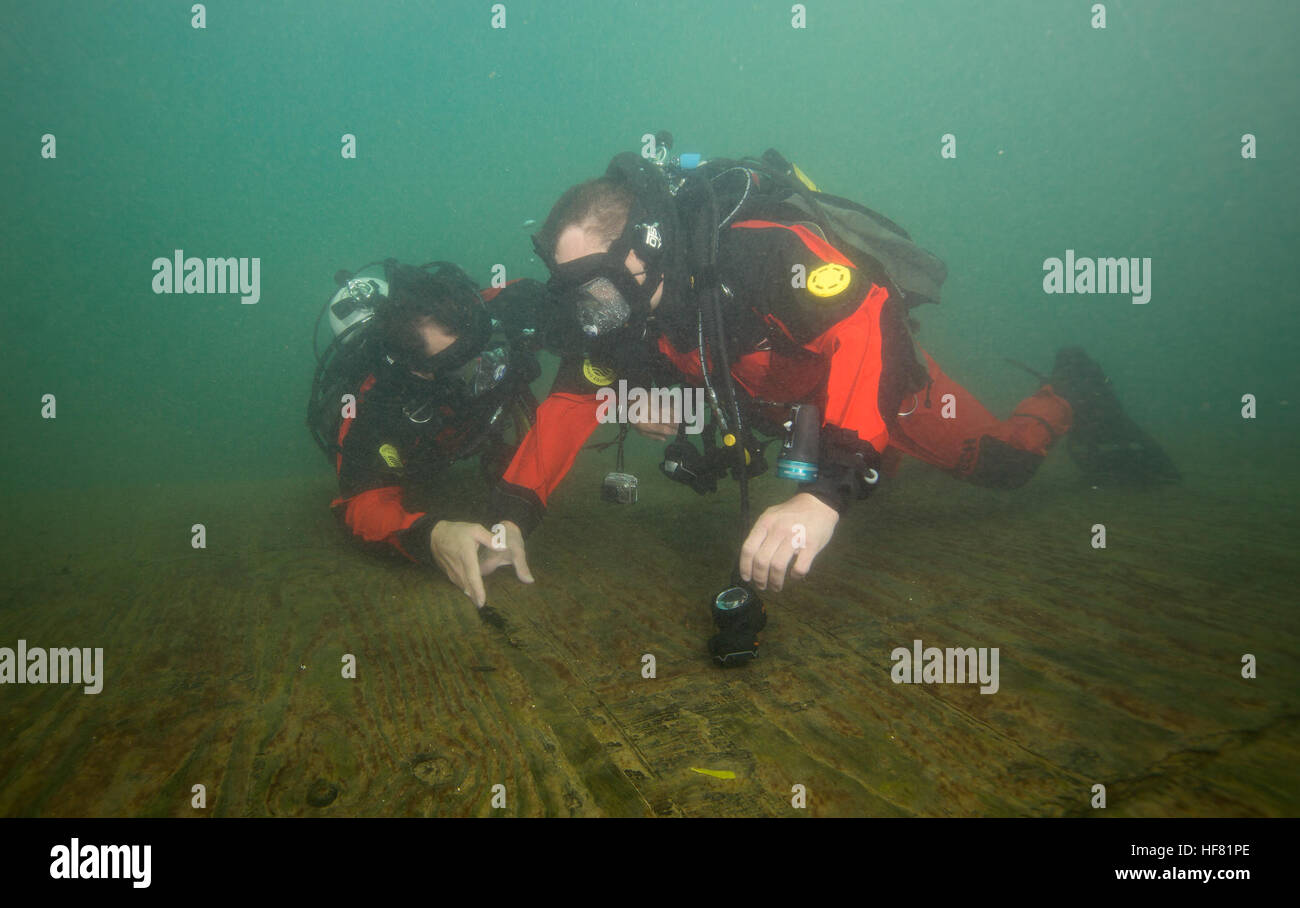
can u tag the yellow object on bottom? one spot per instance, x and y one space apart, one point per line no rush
716 773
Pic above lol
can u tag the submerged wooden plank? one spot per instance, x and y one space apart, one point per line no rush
1119 667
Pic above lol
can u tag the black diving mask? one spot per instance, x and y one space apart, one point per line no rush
479 375
460 389
471 338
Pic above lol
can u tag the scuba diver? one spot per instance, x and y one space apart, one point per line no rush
791 308
424 370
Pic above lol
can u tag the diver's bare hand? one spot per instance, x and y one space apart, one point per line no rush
511 553
659 431
455 548
796 529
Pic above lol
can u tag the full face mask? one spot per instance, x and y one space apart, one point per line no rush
600 303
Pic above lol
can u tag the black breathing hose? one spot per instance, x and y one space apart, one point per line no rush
725 360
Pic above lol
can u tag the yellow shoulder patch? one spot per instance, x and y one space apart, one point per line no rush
829 280
390 455
597 375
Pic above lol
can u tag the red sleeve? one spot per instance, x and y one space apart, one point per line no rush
564 423
377 515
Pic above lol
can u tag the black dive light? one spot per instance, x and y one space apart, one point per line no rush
739 615
802 447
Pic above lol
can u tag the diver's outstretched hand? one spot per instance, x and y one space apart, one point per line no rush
456 548
657 431
797 529
513 553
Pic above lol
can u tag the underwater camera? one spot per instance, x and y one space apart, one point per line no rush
619 488
739 615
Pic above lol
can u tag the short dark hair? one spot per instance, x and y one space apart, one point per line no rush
605 201
414 296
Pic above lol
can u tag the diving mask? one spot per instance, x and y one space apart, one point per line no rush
599 298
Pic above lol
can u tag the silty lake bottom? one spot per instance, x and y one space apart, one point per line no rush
223 666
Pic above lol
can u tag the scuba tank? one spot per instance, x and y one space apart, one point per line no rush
357 297
772 188
351 353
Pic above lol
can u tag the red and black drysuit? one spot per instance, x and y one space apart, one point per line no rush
849 352
393 469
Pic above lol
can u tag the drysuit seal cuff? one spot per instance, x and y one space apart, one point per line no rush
846 472
833 487
517 504
414 540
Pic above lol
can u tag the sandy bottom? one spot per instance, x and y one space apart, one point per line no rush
1119 667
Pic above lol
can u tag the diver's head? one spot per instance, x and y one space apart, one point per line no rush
433 323
586 223
606 244
422 339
